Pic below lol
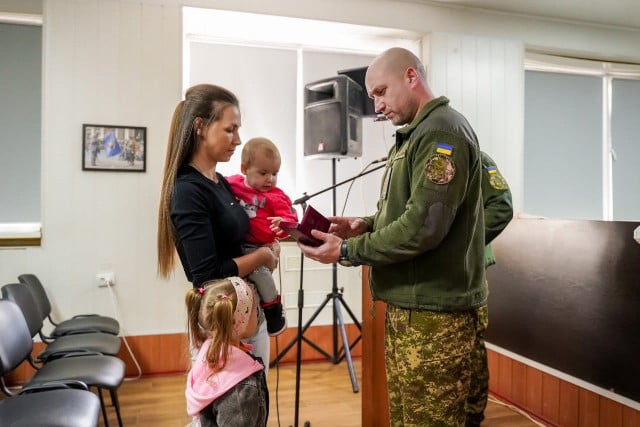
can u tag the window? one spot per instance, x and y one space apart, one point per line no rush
625 129
20 121
580 145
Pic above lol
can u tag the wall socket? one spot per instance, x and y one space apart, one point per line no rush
106 278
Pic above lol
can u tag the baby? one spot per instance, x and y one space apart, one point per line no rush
267 205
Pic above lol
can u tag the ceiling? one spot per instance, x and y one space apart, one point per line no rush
618 13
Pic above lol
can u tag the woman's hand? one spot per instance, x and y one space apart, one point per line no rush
266 255
271 258
275 247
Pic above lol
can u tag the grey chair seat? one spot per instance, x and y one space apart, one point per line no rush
53 408
78 323
100 371
87 323
95 371
96 342
90 342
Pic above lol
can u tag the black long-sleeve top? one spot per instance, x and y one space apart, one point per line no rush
210 225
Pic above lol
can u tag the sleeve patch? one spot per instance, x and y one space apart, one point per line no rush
496 180
440 169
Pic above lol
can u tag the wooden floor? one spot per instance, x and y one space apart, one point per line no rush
326 399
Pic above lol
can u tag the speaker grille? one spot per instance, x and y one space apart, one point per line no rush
332 123
323 124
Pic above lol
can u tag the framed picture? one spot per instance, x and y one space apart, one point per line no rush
114 148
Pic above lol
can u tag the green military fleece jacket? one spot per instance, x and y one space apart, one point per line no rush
426 244
498 207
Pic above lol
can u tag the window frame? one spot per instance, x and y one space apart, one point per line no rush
21 234
607 71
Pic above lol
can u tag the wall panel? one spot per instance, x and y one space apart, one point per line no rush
480 76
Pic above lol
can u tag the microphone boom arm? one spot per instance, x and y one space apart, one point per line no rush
302 200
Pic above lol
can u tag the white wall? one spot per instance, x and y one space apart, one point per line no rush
120 63
104 62
484 80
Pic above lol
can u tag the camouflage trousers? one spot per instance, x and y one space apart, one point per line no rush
479 381
429 360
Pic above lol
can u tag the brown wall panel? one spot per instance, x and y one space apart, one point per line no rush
569 400
588 409
518 383
550 398
534 391
630 417
610 413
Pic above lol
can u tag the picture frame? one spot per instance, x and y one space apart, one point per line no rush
114 148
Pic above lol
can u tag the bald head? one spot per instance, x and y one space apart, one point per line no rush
396 81
396 61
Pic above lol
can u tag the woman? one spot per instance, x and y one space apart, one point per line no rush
199 215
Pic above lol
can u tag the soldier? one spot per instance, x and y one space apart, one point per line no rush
130 150
95 147
498 212
424 244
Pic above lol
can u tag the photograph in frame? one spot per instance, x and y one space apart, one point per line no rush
114 148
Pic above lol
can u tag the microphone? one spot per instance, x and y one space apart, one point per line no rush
302 199
380 160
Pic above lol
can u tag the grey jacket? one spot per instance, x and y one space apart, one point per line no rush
253 396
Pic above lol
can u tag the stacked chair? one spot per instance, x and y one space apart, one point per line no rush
77 324
88 340
63 403
84 357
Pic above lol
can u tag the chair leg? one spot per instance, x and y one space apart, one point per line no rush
116 404
102 407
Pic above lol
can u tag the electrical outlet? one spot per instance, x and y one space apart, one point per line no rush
106 278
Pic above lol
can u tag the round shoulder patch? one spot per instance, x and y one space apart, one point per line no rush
440 169
497 181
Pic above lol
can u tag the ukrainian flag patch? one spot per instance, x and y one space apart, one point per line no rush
496 179
444 149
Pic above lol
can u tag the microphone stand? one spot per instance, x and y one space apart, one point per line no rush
335 295
302 200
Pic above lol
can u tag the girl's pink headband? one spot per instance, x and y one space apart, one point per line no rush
242 313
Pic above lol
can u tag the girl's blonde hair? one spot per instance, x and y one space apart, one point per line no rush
204 102
210 315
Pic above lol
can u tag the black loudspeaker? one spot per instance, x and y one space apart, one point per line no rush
332 118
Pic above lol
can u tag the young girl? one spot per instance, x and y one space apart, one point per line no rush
226 385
